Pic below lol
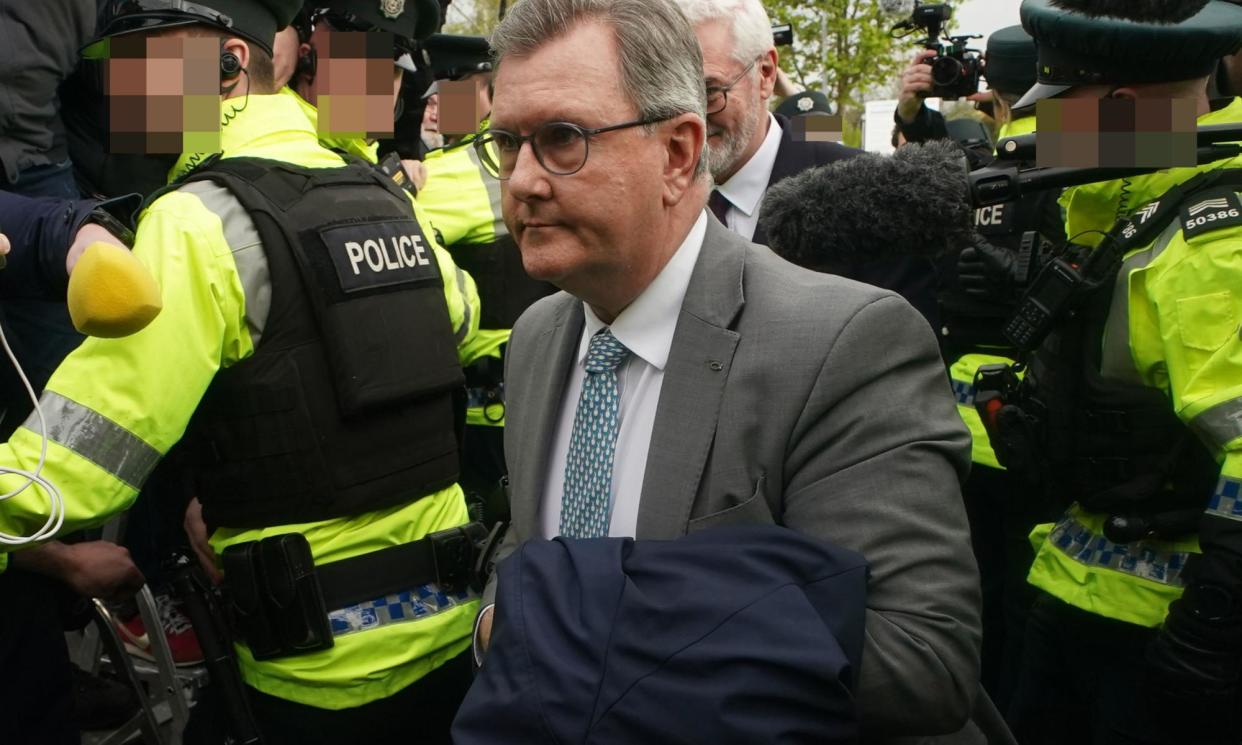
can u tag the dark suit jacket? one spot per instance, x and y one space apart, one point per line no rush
915 279
808 401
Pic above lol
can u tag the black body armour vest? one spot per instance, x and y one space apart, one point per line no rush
971 324
506 291
349 402
1112 446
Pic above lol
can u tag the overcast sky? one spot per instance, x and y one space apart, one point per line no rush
969 16
984 16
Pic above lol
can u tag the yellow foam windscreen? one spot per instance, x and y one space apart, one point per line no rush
111 293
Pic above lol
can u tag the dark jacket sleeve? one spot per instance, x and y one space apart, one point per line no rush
40 231
927 125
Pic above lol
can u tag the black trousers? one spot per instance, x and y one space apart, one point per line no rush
36 686
422 712
1081 682
1002 511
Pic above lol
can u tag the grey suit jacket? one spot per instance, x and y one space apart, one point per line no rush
809 401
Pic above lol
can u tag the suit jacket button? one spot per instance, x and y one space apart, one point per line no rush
715 366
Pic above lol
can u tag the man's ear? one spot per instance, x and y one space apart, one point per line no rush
239 48
683 150
768 65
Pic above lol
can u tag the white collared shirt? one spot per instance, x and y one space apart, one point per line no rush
646 329
745 189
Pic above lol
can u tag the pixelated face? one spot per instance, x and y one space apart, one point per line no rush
462 105
817 128
591 229
356 84
163 93
1084 130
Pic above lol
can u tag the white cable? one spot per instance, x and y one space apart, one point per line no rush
56 503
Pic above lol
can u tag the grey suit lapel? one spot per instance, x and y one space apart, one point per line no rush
557 345
694 381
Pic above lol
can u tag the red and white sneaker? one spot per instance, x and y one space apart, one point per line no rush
177 630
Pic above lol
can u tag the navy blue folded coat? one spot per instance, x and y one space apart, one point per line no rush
734 635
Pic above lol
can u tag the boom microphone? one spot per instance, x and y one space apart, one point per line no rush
111 293
912 203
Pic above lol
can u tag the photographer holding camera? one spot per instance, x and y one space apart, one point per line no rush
940 70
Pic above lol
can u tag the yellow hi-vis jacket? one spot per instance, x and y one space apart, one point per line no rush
463 204
115 407
963 369
1175 325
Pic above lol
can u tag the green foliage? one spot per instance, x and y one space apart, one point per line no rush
473 17
842 48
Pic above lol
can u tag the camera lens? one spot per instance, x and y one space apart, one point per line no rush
946 71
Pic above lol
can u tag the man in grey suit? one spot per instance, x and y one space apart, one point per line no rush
687 378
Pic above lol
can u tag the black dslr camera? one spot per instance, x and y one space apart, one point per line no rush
956 68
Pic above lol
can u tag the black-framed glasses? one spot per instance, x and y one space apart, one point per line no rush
560 147
718 95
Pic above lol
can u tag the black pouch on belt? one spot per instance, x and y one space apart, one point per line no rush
277 604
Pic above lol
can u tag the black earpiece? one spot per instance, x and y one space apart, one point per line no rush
230 66
307 65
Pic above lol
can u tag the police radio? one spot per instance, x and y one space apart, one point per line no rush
1065 281
1049 299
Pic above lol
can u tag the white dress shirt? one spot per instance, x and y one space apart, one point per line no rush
745 189
646 329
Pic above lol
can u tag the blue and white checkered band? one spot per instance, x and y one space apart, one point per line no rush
1227 499
965 393
1148 560
588 465
411 605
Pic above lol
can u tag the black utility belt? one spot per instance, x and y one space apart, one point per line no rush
280 601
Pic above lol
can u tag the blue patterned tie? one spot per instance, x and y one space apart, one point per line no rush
588 466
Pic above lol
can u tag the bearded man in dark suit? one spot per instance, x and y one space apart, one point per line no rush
751 149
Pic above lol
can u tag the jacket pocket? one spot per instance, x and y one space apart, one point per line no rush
753 511
1206 322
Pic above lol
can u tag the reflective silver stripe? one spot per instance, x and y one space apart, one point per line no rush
1221 424
1138 559
243 239
460 334
96 438
1227 499
412 605
493 196
1115 359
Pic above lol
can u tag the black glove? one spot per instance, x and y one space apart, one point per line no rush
1192 679
985 271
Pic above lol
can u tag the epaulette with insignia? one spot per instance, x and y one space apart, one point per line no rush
1209 211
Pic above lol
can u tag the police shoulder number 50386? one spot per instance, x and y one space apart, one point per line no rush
1213 212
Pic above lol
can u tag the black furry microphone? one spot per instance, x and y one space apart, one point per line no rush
912 203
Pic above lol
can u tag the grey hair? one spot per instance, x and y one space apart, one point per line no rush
660 60
752 30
